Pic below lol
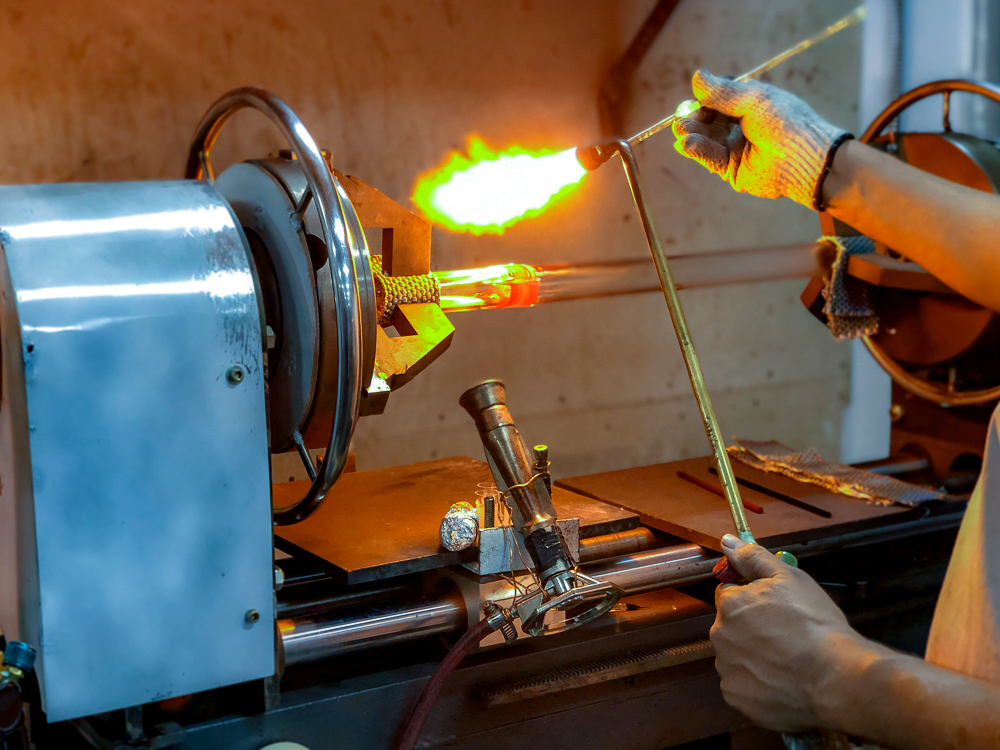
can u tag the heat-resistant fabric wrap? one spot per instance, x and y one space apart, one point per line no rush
402 290
809 466
849 310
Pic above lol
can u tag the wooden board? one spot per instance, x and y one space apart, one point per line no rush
383 523
666 502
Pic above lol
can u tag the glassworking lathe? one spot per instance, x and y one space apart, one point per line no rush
162 340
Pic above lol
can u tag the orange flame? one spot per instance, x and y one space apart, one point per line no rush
488 190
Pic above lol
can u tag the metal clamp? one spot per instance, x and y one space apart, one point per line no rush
341 251
534 623
500 619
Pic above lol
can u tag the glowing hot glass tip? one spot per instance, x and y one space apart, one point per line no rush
486 191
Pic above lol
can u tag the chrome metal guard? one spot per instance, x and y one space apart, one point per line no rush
341 249
534 623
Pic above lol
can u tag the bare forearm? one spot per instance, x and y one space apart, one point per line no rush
905 703
951 230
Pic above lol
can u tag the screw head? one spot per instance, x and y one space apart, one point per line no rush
235 375
252 616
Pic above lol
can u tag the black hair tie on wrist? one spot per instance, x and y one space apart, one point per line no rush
843 138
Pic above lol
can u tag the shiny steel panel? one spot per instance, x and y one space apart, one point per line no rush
148 477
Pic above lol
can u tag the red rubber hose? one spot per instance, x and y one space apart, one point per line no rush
433 688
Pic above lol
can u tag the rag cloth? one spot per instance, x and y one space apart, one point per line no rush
809 466
850 313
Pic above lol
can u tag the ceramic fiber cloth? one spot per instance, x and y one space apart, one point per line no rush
402 290
848 307
809 466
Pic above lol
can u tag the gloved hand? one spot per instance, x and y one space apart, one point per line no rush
758 138
786 653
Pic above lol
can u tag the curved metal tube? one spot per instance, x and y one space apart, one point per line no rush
691 361
341 256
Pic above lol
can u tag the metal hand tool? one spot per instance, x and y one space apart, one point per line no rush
723 571
672 298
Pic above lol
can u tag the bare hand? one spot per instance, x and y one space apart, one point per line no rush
779 641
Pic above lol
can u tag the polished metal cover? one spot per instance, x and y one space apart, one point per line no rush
135 520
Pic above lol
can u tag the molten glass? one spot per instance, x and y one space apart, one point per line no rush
510 285
521 285
486 191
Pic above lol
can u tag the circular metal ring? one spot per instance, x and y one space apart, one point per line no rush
905 379
341 257
366 287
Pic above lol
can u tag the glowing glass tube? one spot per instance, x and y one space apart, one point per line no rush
522 285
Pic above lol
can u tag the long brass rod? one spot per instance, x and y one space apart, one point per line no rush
669 288
594 156
855 16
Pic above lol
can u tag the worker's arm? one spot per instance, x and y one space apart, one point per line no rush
790 661
951 230
770 143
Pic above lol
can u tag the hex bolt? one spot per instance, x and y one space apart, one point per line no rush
489 511
252 616
235 375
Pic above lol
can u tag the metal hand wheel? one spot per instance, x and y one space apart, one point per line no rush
342 252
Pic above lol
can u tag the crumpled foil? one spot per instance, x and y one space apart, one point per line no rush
459 527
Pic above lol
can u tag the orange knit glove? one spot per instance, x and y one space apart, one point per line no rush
758 138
